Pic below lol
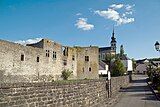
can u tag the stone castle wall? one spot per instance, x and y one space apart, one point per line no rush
83 93
12 69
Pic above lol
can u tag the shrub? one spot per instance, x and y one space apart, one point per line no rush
66 73
158 88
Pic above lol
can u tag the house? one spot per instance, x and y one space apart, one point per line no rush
142 65
103 68
157 63
127 62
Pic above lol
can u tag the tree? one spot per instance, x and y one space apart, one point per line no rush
109 59
118 68
66 74
121 51
134 64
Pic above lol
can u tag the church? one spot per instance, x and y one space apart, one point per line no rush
104 51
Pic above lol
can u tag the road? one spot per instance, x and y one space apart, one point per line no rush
138 94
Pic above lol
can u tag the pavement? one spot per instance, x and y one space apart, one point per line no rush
138 94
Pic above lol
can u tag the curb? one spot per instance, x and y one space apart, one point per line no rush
157 97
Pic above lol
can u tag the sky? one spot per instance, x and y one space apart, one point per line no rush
84 23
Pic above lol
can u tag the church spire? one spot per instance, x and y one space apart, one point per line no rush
113 42
113 32
113 39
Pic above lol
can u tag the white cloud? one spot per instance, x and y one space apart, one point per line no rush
119 17
81 23
129 7
29 41
125 20
116 6
108 14
129 12
78 14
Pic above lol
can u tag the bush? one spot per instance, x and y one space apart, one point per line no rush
158 88
66 74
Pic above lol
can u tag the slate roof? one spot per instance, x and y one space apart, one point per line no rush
104 48
141 61
102 65
124 57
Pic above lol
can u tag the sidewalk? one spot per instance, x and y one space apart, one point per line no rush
138 94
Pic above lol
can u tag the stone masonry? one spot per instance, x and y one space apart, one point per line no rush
45 60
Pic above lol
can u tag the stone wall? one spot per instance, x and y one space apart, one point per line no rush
80 93
117 83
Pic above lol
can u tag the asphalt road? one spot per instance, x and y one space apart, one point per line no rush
138 94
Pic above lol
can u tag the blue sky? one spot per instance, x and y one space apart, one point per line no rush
84 23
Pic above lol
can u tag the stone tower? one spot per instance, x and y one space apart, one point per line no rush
113 42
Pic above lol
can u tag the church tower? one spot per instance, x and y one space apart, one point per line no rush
113 43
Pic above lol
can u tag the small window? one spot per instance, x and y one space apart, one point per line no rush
22 57
90 69
47 53
73 57
86 58
38 59
54 55
64 62
65 51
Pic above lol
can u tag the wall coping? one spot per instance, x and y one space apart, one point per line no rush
40 84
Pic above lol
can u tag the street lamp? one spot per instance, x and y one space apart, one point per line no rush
157 46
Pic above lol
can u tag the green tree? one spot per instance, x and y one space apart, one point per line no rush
121 51
118 68
66 73
109 57
134 64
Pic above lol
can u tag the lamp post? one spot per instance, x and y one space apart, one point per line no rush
157 46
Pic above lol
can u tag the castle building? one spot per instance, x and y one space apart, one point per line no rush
104 51
45 61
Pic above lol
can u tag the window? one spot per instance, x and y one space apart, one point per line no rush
89 68
73 57
86 58
64 62
54 55
22 57
47 53
38 59
65 51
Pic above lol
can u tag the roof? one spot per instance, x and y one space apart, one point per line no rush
153 63
104 48
102 65
142 60
124 57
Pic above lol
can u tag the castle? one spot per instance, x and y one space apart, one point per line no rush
45 61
